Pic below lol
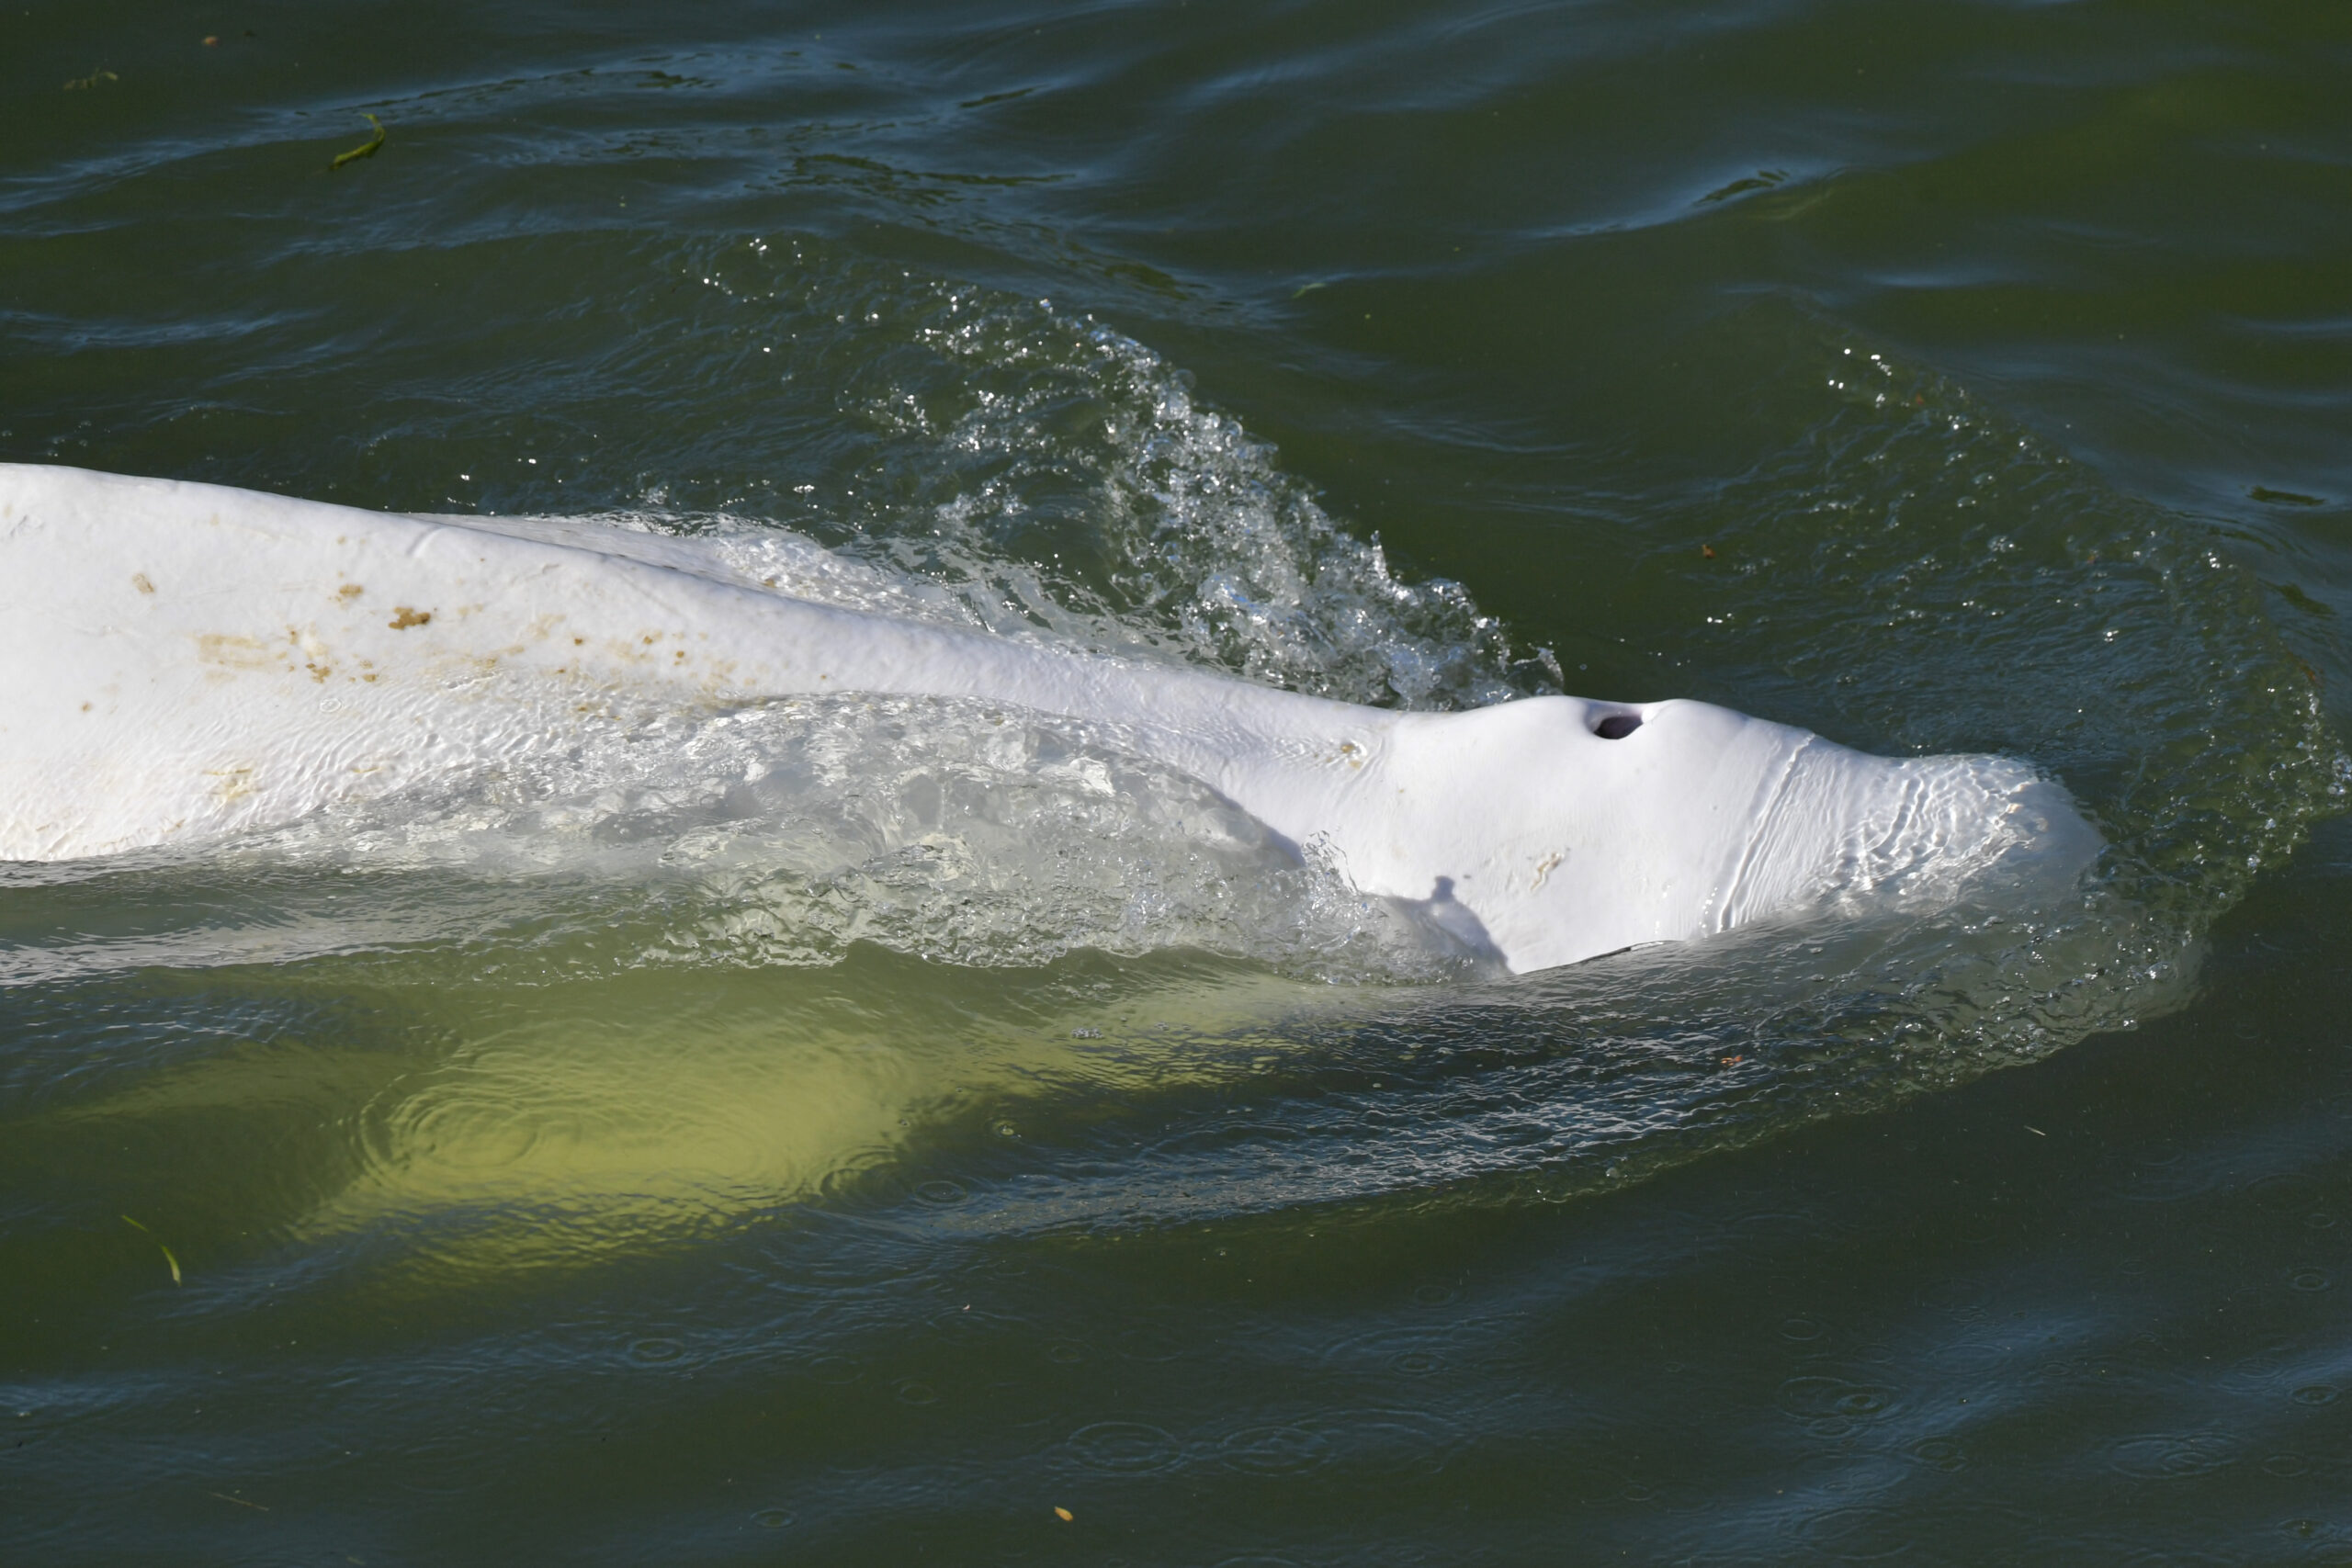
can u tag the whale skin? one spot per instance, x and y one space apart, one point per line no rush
182 660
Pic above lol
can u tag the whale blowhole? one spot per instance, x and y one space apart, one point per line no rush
1617 726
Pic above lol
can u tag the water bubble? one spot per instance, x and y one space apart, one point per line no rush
1942 1453
1274 1451
2172 1456
1123 1448
1820 1397
1862 1533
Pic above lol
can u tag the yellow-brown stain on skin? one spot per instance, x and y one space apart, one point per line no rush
403 617
234 785
349 590
320 672
138 581
232 652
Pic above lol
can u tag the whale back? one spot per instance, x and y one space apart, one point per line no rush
182 660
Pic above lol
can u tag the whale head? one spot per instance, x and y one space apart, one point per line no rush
1557 829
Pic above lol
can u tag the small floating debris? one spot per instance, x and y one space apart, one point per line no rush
96 76
166 1251
365 150
2262 493
1062 1514
1762 179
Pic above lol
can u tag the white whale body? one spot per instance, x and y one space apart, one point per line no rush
181 660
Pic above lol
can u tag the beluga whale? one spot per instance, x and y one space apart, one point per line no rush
181 661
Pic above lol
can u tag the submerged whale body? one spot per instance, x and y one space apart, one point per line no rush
182 660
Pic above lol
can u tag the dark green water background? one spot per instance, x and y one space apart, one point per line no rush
1948 377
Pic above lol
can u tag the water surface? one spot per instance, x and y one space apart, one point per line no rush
855 1132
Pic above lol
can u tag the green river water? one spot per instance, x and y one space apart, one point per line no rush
972 1146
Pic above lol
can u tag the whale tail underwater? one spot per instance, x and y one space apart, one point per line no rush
180 662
